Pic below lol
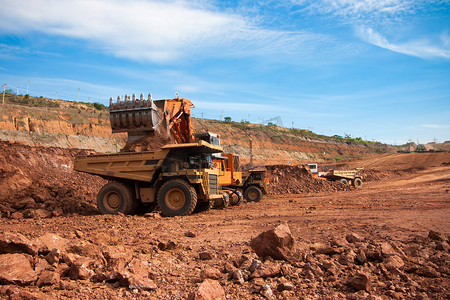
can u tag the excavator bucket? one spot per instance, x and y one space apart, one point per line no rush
134 115
170 118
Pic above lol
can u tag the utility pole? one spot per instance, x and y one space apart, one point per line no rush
251 151
28 84
4 88
78 95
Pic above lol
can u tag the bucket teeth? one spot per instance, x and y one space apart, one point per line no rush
135 115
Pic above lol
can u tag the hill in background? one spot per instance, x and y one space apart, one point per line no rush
66 124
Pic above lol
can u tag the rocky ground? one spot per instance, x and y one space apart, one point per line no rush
388 240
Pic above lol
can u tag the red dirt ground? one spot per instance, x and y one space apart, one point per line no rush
407 196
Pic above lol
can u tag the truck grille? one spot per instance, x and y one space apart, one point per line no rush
213 184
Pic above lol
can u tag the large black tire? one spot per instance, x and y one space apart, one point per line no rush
344 181
226 199
204 206
357 183
253 194
177 198
236 198
222 202
116 197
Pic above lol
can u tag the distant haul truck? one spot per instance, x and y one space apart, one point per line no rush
176 178
347 177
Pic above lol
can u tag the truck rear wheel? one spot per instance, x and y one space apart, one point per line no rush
116 197
253 194
177 198
357 183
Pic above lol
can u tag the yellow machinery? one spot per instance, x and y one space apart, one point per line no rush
347 177
175 178
237 184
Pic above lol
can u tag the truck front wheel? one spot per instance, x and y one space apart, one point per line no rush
357 183
344 181
177 198
253 194
116 197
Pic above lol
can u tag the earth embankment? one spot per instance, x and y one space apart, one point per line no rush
67 124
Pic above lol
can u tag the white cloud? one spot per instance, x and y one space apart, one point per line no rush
357 8
152 30
419 48
7 51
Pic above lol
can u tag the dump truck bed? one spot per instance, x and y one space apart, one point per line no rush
140 166
134 165
348 174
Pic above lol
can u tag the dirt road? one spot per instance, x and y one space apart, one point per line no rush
177 254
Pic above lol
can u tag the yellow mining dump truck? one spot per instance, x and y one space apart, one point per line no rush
175 178
347 177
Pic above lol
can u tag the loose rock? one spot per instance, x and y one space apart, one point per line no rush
208 290
16 269
276 243
16 243
360 281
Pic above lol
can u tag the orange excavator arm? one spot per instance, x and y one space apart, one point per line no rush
180 124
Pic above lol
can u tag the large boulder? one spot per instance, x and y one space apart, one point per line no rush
208 290
16 269
16 243
276 243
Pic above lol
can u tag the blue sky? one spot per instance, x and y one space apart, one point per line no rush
379 70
